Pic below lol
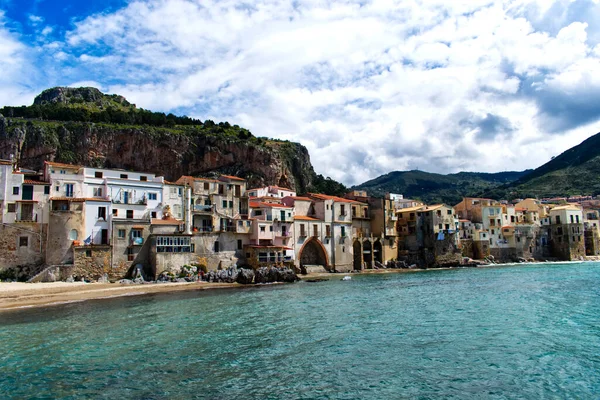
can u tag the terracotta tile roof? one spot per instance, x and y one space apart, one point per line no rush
410 209
571 207
31 182
305 218
61 165
282 188
301 198
231 177
320 196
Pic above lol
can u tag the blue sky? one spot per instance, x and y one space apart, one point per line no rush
368 86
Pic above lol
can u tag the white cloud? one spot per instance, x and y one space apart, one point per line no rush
367 86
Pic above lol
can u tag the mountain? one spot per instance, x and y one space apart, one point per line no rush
87 127
437 188
574 172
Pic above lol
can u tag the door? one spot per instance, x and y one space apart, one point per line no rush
69 189
27 192
104 236
125 197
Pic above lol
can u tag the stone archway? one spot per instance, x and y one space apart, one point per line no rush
357 250
313 253
368 254
377 252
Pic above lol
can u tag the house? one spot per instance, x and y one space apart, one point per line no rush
566 232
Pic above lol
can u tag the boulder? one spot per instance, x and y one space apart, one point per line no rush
245 276
138 272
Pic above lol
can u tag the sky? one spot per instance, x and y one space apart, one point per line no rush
368 86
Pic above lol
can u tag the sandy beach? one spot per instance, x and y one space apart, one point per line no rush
19 295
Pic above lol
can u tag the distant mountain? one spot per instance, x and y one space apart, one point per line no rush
437 188
574 172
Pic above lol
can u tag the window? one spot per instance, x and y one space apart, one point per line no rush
342 210
98 174
47 189
216 247
206 186
449 212
136 233
177 210
58 188
143 178
153 214
12 207
69 190
23 241
328 230
271 228
447 227
115 212
315 230
121 233
439 226
572 219
262 228
230 204
558 219
102 213
302 231
73 234
124 176
577 218
224 203
16 190
151 196
62 171
130 214
258 212
343 231
88 253
239 244
97 192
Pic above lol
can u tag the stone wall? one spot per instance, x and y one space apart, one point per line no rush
92 262
61 224
504 255
20 245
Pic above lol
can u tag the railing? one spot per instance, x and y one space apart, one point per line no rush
141 202
202 208
203 229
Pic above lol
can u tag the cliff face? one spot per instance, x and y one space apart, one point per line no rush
168 151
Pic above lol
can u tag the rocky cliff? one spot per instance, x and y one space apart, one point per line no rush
166 145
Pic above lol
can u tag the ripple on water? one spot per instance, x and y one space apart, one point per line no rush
520 332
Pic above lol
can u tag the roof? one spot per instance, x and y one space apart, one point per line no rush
31 182
61 165
464 220
139 226
231 177
300 198
188 180
410 209
266 205
305 218
572 207
320 196
282 188
433 207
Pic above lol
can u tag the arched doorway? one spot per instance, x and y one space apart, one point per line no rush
313 254
377 253
368 254
357 250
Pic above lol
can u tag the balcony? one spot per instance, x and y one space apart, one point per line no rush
140 202
283 234
202 208
203 229
136 241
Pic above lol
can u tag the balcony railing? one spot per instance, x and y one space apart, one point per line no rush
203 208
137 241
203 229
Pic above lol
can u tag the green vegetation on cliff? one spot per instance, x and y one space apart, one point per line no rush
84 126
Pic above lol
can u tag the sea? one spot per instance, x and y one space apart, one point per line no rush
528 331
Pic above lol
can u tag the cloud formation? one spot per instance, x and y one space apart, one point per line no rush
368 86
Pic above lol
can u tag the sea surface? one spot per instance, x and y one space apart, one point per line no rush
520 332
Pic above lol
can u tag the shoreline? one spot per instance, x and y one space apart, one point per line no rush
16 296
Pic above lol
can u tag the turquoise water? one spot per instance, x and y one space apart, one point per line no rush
523 332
